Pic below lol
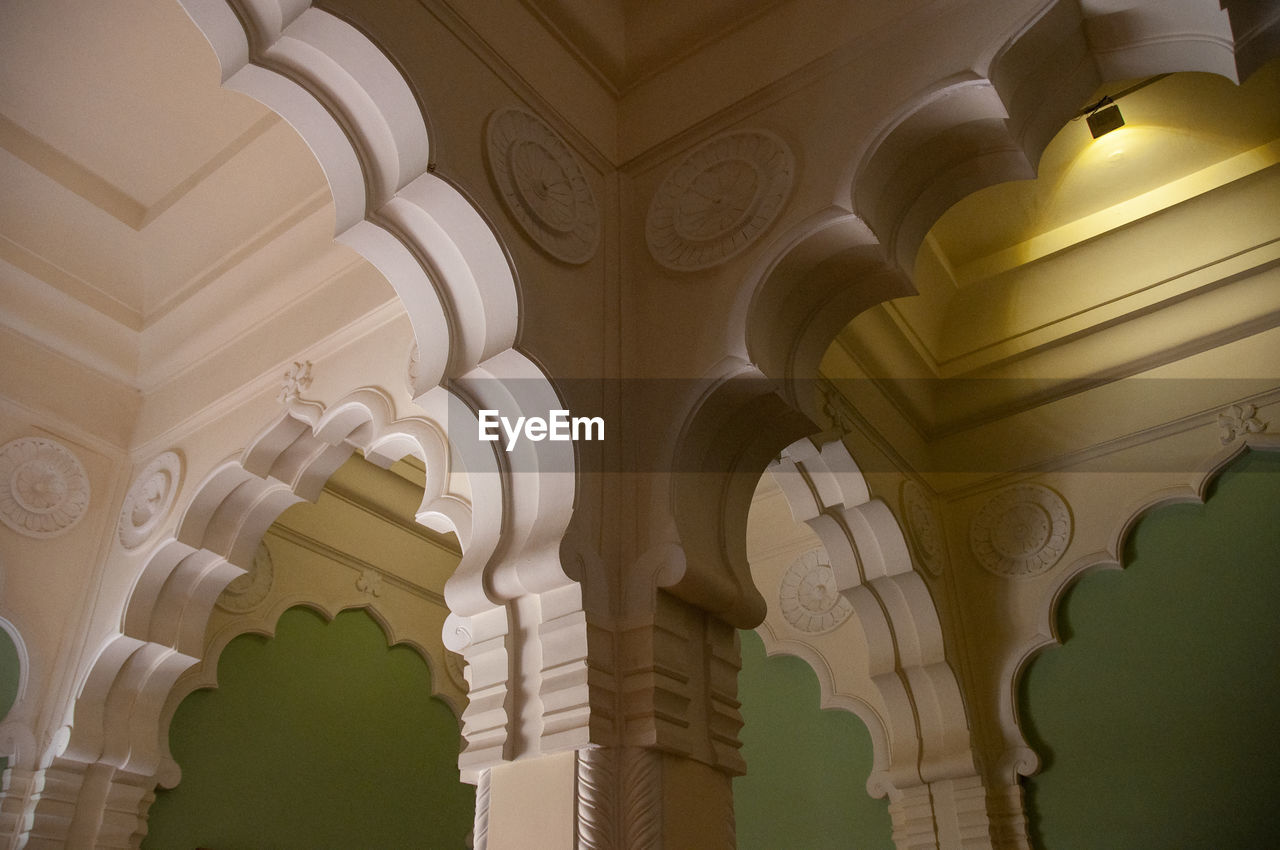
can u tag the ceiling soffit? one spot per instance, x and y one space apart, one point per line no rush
1151 247
627 41
181 194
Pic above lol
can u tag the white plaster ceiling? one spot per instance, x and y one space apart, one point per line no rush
629 40
119 89
135 191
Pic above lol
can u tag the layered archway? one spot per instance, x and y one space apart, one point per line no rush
1157 684
119 715
978 127
355 111
924 736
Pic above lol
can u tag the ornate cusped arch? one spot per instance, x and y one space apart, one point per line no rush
360 118
264 622
977 127
829 696
1025 762
990 124
119 712
356 112
16 740
924 734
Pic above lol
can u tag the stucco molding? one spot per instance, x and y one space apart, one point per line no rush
264 621
990 125
542 185
830 697
924 526
807 595
1239 421
807 284
358 115
1021 530
362 122
248 591
119 715
926 734
44 489
719 199
149 500
1021 760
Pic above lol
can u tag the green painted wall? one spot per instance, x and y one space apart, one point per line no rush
10 673
1159 717
321 737
807 769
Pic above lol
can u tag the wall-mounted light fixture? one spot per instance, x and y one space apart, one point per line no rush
1104 116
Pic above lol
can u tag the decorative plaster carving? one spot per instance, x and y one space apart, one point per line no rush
543 186
836 407
455 668
1237 421
44 490
297 380
149 499
480 831
411 371
719 199
923 527
908 668
247 592
597 798
808 596
369 583
619 793
1021 531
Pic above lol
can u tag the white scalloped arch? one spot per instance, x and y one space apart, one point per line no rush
265 623
16 741
1111 558
972 129
358 116
829 697
118 716
923 736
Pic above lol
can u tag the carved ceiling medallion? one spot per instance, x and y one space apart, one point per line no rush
543 186
719 199
923 528
1021 531
44 490
808 596
149 499
248 591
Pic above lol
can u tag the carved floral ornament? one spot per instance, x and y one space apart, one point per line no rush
719 199
1239 420
543 186
44 490
1022 530
369 582
149 499
296 381
923 528
808 597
